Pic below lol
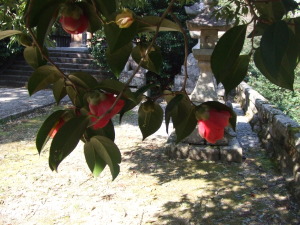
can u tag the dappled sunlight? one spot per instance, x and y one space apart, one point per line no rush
150 189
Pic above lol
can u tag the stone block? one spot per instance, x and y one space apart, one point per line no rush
233 152
268 112
281 126
204 153
179 151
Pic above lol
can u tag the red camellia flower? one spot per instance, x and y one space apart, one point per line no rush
57 126
102 107
212 129
74 26
73 20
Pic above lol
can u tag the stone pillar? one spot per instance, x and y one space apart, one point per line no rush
205 89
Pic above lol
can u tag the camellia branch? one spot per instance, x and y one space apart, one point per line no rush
166 12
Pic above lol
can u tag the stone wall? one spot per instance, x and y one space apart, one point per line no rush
279 134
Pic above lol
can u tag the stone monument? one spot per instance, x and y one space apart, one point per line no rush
207 30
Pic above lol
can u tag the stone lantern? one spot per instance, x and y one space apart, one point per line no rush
207 30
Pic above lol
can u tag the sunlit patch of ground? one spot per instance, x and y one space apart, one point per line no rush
151 189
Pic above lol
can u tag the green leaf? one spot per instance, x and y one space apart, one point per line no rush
94 22
42 135
42 78
227 51
8 33
106 7
149 23
297 34
237 73
59 90
75 97
187 125
152 61
33 57
94 161
150 118
107 131
129 104
219 106
35 10
273 45
171 109
116 87
284 78
109 152
118 59
66 140
46 21
119 37
182 112
272 11
83 80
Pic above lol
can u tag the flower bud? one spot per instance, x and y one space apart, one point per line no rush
124 19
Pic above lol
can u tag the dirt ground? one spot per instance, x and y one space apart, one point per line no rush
151 188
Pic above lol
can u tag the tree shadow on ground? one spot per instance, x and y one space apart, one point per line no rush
217 192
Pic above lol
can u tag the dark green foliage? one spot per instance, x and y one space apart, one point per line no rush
98 50
171 44
7 51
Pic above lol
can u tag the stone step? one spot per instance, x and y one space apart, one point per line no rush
71 55
72 60
20 72
66 66
59 61
68 60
